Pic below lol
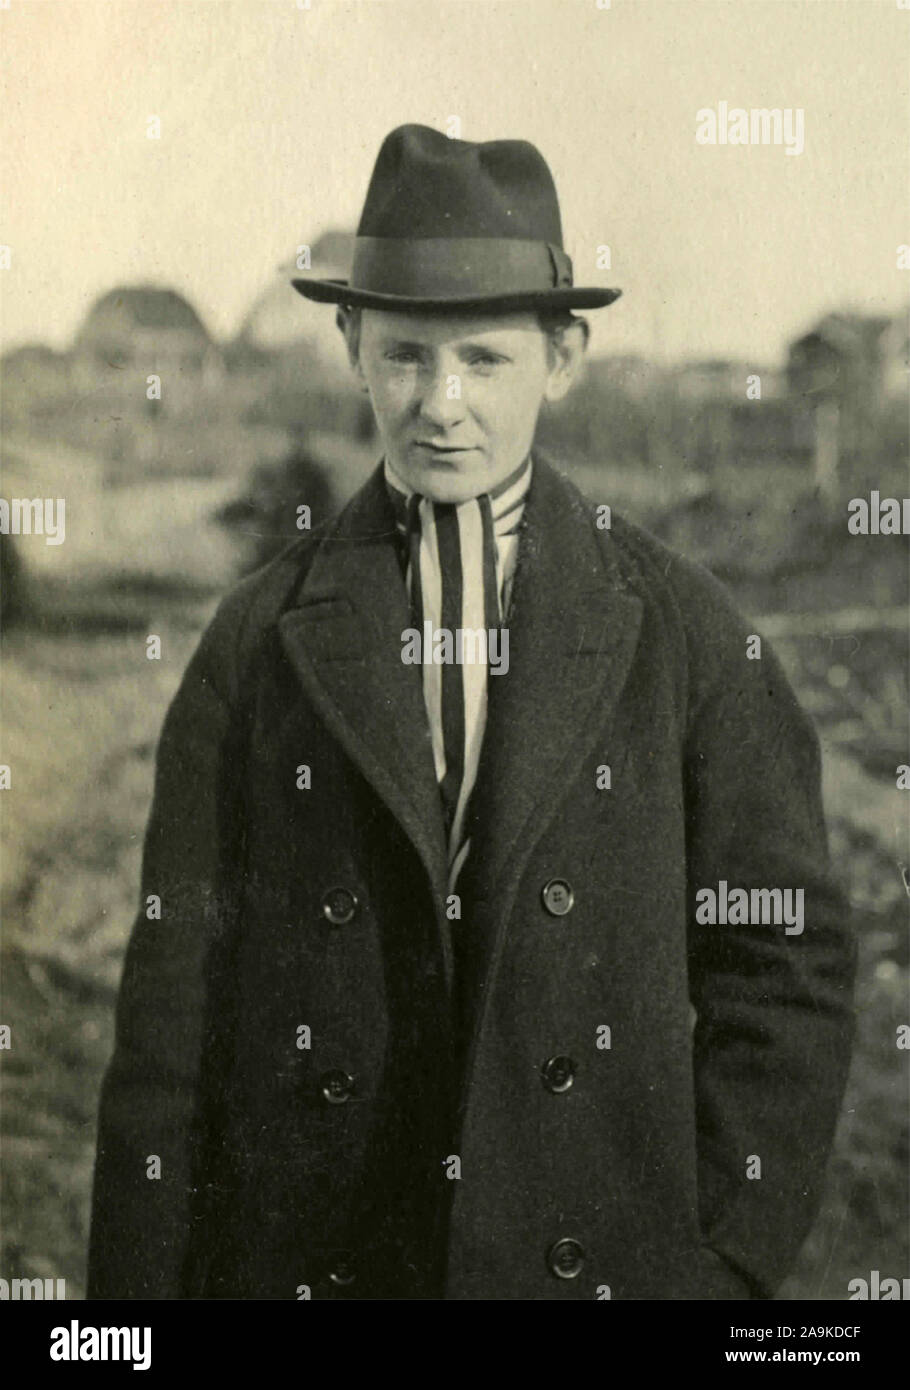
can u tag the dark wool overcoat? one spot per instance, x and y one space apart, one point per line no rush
574 1090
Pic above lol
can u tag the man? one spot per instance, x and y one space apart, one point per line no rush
442 807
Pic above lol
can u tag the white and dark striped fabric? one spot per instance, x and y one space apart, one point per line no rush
459 571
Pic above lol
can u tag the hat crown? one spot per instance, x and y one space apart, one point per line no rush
425 184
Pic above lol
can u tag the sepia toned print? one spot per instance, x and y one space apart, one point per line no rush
475 634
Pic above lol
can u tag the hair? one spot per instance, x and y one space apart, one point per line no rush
553 323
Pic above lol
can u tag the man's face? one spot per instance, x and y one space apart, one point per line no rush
456 399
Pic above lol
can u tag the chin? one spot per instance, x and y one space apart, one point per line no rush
447 483
451 489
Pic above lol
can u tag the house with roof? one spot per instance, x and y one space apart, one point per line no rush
135 332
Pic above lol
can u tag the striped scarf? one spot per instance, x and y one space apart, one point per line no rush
460 564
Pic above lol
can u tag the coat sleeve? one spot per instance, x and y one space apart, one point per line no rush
775 1019
151 1117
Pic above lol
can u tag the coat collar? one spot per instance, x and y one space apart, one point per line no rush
573 629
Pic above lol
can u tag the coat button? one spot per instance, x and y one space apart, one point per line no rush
558 1074
558 897
338 905
342 1271
337 1086
566 1259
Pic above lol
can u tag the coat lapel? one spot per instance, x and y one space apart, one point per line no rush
344 640
573 630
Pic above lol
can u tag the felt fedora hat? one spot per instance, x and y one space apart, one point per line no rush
450 224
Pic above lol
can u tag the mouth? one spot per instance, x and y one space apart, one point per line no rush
444 450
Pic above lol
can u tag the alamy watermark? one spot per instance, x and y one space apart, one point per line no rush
465 646
18 1290
75 1343
34 516
734 125
878 1288
880 516
758 907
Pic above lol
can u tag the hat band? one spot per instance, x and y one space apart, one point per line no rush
457 267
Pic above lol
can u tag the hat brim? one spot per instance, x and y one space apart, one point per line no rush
340 292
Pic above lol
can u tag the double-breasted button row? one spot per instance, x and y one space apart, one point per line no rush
339 906
337 1086
566 1258
558 897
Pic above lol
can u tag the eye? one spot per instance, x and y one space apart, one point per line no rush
401 355
485 359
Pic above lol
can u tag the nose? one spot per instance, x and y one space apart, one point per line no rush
438 404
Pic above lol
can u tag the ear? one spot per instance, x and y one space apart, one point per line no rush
349 328
569 348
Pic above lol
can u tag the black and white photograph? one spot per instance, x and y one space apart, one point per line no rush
454 659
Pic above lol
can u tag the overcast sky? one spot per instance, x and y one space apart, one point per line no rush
271 116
